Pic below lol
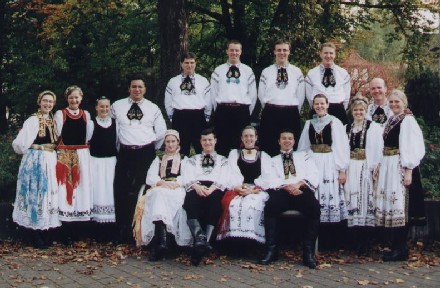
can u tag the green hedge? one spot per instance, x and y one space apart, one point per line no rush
9 163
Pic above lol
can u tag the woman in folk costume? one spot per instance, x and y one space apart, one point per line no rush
243 206
36 202
366 145
398 188
103 161
73 168
325 136
163 210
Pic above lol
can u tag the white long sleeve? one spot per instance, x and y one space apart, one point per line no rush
411 144
26 136
374 145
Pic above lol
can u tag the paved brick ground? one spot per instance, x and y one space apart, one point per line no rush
93 266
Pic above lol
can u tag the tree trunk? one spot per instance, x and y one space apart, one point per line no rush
173 40
3 120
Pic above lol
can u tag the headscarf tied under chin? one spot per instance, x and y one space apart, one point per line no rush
175 157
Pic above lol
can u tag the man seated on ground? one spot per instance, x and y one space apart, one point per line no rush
293 183
205 177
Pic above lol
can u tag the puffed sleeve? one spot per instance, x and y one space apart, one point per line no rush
309 88
214 88
207 97
268 178
340 145
304 141
180 179
188 173
262 88
153 173
301 90
89 127
58 118
223 174
411 144
252 91
160 127
26 136
236 178
168 100
374 145
311 177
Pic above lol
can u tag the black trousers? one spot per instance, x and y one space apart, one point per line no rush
205 209
280 201
189 123
273 120
228 122
130 173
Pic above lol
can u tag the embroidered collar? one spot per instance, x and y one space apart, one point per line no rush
320 122
131 101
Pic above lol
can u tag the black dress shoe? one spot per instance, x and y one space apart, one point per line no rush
396 255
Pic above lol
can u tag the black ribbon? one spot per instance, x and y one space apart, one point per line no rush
328 79
187 85
233 72
135 112
379 116
288 164
282 77
208 161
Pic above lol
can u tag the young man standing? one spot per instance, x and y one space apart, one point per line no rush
140 130
234 94
188 104
205 176
292 187
281 93
331 80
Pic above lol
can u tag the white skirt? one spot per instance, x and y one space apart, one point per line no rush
329 193
165 205
246 218
36 201
391 196
103 174
82 202
359 194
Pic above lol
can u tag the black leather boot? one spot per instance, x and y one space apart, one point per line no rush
209 230
399 250
199 236
310 235
271 241
161 230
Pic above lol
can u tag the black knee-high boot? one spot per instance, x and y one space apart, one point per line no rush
399 251
199 248
159 243
310 236
270 224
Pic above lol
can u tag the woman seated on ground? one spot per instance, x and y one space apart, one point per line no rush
163 210
243 205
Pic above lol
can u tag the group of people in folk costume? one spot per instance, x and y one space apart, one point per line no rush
76 168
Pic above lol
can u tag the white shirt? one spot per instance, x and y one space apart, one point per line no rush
244 92
193 171
411 144
58 117
340 145
177 99
236 177
151 128
338 94
305 168
292 94
372 108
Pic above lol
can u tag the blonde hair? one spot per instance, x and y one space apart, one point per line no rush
44 93
399 94
359 100
72 88
328 44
